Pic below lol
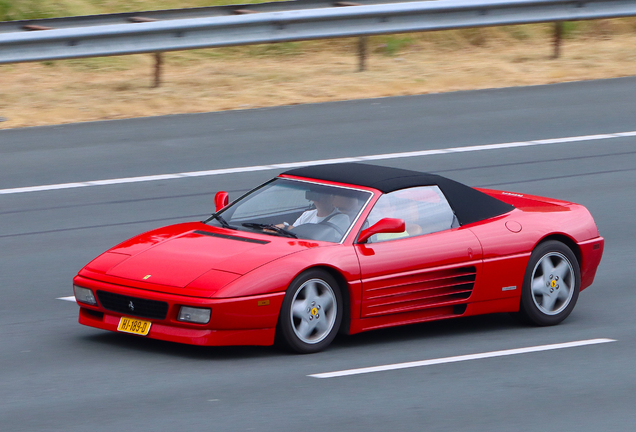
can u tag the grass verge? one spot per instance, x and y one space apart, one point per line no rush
306 72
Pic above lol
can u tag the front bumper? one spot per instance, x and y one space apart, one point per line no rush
233 321
591 254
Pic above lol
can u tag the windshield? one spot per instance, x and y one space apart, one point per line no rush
297 209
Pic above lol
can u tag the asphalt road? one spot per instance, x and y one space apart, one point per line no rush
56 375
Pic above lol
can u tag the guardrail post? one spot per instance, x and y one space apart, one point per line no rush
362 53
558 35
158 64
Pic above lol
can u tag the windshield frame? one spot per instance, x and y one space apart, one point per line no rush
371 194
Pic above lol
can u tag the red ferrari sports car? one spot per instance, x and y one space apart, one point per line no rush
343 248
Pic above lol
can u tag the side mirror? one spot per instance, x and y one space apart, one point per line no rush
221 199
386 225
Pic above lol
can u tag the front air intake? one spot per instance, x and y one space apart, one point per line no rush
133 305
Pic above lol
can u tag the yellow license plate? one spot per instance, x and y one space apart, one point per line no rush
135 326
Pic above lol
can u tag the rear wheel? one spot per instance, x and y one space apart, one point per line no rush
551 284
311 312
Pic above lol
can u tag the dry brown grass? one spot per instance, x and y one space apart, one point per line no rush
249 77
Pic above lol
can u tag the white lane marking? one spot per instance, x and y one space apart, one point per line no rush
460 358
385 156
69 298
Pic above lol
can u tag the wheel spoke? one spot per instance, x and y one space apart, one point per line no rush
562 270
311 292
322 325
547 268
563 293
299 309
538 286
325 301
548 302
304 329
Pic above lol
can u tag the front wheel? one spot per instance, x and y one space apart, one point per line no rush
551 284
311 312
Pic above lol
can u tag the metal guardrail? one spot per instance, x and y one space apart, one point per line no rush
172 14
296 25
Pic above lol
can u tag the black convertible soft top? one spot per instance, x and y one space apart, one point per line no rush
470 205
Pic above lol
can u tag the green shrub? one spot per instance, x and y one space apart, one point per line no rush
11 10
391 45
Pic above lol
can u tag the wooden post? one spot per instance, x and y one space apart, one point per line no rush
362 53
558 35
158 65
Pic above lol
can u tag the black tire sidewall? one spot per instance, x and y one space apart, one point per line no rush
528 309
285 334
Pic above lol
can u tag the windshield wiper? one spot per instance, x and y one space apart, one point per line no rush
279 230
222 221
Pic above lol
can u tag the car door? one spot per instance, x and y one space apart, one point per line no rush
434 263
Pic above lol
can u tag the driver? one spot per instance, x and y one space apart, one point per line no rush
325 211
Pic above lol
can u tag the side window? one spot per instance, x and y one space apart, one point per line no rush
424 210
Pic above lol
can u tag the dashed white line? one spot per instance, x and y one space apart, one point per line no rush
385 156
461 358
69 298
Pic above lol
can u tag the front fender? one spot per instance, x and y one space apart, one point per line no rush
276 275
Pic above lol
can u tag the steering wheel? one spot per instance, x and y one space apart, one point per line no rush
324 231
333 226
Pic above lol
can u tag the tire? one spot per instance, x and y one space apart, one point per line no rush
311 313
551 284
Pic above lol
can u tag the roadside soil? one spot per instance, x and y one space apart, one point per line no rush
69 91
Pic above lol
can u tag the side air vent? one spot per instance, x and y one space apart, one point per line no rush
459 309
417 291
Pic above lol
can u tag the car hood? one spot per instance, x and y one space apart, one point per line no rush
195 257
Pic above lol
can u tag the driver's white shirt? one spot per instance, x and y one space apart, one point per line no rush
311 216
